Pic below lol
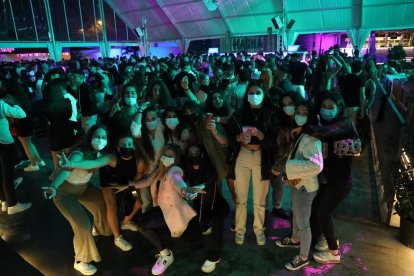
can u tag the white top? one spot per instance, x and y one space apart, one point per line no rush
79 176
306 164
8 111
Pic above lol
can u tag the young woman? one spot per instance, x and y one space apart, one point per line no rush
8 153
335 129
304 163
203 89
287 104
254 127
173 128
116 169
218 107
158 94
174 211
72 192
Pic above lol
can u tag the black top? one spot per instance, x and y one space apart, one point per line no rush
86 99
297 70
177 80
124 171
350 85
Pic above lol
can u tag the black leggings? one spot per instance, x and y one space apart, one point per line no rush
8 155
329 196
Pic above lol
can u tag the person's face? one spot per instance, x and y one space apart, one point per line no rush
302 110
217 100
206 81
93 70
130 92
186 68
218 74
54 76
78 79
126 142
151 116
255 90
171 114
194 151
100 133
286 101
329 104
156 90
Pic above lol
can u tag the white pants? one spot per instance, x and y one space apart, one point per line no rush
248 165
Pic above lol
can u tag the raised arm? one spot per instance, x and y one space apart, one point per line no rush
108 159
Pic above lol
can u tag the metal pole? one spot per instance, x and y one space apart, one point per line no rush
94 16
14 22
116 31
126 29
66 19
101 10
81 20
34 21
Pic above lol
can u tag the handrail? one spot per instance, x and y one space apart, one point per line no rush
392 104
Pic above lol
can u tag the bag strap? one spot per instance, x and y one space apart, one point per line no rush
295 149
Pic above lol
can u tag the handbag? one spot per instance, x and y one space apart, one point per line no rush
350 146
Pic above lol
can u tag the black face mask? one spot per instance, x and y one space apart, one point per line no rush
192 118
126 152
195 160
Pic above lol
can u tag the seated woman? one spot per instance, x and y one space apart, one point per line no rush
168 190
72 193
116 169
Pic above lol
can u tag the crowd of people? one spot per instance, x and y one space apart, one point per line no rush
170 131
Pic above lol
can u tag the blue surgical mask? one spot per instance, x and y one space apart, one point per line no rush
289 110
329 114
172 123
255 99
152 125
300 119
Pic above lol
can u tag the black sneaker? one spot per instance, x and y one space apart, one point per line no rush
280 213
233 227
287 242
296 263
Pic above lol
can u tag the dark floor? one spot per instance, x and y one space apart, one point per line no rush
367 247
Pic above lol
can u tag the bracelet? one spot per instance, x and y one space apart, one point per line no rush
139 110
218 119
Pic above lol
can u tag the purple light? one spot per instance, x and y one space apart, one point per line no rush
322 270
280 223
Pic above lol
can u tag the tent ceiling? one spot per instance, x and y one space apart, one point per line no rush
190 19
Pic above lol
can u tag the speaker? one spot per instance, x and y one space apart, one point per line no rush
277 22
138 31
290 24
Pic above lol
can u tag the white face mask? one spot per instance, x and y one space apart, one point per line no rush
172 123
255 99
151 125
98 143
289 110
300 119
130 101
167 161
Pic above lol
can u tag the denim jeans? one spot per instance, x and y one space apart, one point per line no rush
301 209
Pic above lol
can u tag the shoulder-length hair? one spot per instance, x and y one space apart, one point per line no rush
165 98
266 100
87 149
337 99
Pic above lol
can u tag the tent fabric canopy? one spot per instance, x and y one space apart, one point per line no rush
169 20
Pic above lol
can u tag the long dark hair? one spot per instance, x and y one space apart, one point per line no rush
285 120
266 100
165 98
87 149
54 99
147 146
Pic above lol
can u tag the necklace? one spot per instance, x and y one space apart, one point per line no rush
256 116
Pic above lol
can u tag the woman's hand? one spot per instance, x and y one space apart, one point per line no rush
49 192
191 193
119 189
64 161
211 126
245 138
257 133
276 172
292 182
115 108
184 83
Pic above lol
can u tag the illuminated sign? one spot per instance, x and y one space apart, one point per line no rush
6 50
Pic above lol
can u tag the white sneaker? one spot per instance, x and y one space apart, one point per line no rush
239 239
4 206
326 257
85 268
165 259
261 239
17 182
208 266
130 226
322 245
122 243
94 232
19 207
208 231
41 164
31 168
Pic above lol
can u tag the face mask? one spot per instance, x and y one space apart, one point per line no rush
126 152
301 120
289 110
98 144
167 161
151 125
130 101
172 123
196 160
192 118
255 99
329 114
